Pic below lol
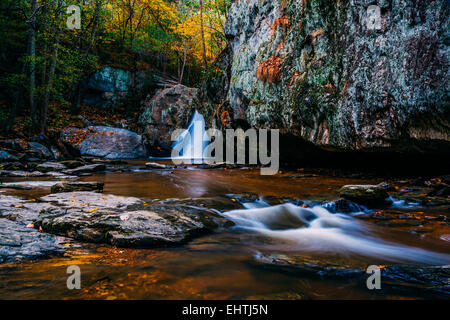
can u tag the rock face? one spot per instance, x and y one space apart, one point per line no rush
124 222
110 80
105 142
107 87
168 110
344 75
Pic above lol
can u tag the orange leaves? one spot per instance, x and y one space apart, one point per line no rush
283 22
317 33
224 118
270 70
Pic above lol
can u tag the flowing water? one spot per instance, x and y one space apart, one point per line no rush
222 265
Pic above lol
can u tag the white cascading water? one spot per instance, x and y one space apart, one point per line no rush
317 230
193 142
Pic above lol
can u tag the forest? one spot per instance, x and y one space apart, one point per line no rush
44 64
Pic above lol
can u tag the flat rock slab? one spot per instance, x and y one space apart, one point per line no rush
125 221
77 186
86 169
18 239
50 167
155 165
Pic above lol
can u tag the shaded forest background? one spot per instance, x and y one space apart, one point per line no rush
44 65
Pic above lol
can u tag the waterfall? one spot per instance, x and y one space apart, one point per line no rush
192 143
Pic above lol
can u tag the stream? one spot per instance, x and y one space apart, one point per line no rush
224 264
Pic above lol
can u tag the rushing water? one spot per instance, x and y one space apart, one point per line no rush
316 230
192 143
222 265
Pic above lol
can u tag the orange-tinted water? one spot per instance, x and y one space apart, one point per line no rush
217 266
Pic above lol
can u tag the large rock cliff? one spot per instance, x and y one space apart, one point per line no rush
355 75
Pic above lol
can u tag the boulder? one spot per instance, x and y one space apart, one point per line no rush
91 168
77 186
40 150
168 110
365 194
125 222
105 142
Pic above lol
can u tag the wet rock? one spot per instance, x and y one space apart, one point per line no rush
243 197
21 173
91 168
305 265
400 223
431 280
13 166
5 156
40 150
14 186
125 222
77 186
440 190
50 167
427 282
72 164
113 162
18 240
105 142
155 165
365 194
386 186
223 165
343 206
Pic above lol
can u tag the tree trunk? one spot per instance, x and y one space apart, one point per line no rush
48 89
32 55
205 60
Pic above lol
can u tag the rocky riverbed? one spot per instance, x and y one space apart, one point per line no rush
139 209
